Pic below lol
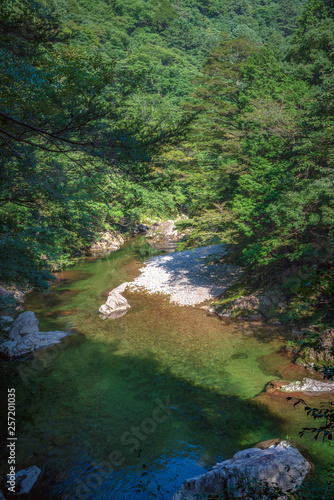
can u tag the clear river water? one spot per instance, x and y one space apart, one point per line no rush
129 408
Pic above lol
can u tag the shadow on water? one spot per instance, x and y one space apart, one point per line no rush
258 330
96 393
72 417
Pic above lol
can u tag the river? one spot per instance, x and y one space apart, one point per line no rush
130 408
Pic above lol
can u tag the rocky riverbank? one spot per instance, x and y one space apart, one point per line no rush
23 337
157 234
277 469
106 242
189 277
199 276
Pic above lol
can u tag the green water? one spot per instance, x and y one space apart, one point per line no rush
156 396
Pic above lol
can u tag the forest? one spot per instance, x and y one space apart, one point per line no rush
220 110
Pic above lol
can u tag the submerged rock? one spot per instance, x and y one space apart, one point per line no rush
25 480
280 466
24 337
309 385
115 314
116 305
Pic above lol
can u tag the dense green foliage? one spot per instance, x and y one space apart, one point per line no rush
171 40
116 110
263 148
94 96
75 156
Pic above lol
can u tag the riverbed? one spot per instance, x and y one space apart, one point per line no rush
130 408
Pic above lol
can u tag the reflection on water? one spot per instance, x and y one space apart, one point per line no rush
156 396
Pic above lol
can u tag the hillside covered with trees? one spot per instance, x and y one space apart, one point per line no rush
221 110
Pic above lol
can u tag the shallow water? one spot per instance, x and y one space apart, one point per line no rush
156 396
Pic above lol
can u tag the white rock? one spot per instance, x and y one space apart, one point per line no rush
114 314
248 303
281 465
190 277
115 302
309 385
25 323
30 342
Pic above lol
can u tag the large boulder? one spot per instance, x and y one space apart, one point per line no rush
30 342
280 466
106 242
309 385
25 480
24 324
115 303
24 337
163 231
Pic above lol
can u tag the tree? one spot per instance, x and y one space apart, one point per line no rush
67 139
269 139
287 16
164 14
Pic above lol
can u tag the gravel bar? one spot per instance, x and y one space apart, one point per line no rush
189 277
